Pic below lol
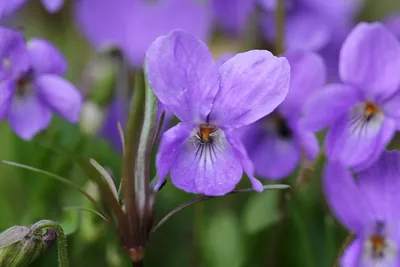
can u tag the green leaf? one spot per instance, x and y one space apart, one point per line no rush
261 211
224 243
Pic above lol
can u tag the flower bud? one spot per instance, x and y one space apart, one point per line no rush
92 118
20 246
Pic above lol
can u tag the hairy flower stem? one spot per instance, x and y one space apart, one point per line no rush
61 240
280 28
345 244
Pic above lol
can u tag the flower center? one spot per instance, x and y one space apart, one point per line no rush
378 245
206 132
278 125
7 63
24 85
370 110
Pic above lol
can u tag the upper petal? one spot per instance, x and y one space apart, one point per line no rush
380 183
53 5
183 75
46 58
14 58
169 148
344 197
307 76
28 116
60 95
369 59
393 24
207 168
252 85
326 106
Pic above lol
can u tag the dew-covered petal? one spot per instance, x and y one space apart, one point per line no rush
60 95
345 198
276 158
329 104
6 95
45 57
183 75
233 15
354 141
380 183
370 58
247 164
307 76
28 115
170 146
53 5
209 169
14 58
352 255
252 85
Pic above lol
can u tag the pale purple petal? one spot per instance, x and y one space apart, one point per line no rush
45 57
14 58
12 6
28 116
369 59
207 169
6 95
307 76
253 84
354 141
380 183
308 143
352 254
183 75
391 106
134 25
341 192
304 30
169 149
233 15
60 95
247 164
328 105
53 5
276 158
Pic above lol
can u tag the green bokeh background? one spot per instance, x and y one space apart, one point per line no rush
291 228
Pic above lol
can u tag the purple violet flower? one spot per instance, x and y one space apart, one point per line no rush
368 207
362 112
28 98
276 143
133 25
11 6
203 153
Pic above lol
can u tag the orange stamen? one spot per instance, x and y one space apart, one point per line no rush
370 109
378 244
206 130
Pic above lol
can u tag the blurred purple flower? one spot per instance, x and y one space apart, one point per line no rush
362 113
11 6
117 112
204 153
13 54
368 207
276 143
28 98
393 24
133 25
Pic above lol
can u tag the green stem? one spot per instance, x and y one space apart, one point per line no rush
302 229
345 244
61 240
280 27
